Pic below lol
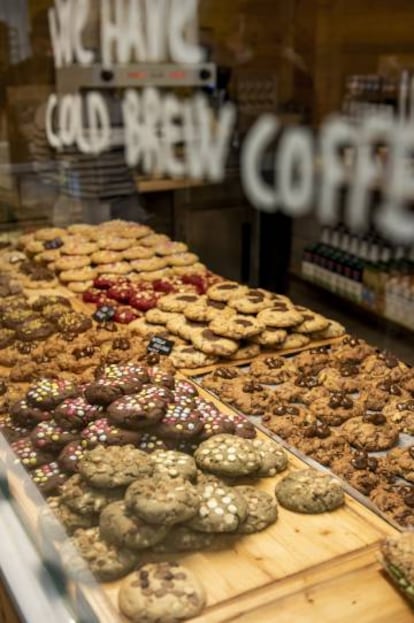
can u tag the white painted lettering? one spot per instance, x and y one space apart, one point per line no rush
261 195
295 171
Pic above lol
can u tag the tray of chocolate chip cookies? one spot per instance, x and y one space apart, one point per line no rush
348 407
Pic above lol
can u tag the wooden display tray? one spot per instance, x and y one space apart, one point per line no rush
192 372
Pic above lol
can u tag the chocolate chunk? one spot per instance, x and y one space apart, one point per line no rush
3 388
348 369
408 405
360 460
374 418
307 381
152 359
210 336
339 400
351 341
188 298
121 343
317 429
252 387
216 305
244 323
226 373
285 410
227 286
274 363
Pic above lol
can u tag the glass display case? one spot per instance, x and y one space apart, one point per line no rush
206 250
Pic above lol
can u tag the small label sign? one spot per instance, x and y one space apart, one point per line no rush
160 345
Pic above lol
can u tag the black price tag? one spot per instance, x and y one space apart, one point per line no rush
160 345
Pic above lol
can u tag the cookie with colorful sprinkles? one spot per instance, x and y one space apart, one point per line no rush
103 432
75 413
47 394
48 478
28 455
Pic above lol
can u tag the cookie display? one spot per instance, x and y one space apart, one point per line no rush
106 562
161 592
370 432
228 455
162 500
222 508
114 466
86 500
261 510
309 491
123 529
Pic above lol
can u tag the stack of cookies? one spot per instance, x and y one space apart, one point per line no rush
348 407
80 253
233 322
124 504
57 419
